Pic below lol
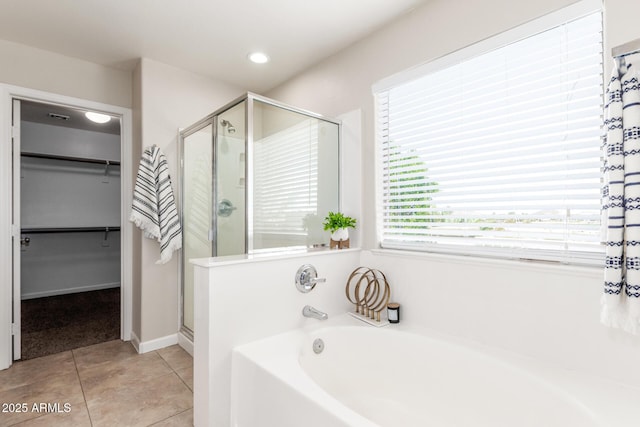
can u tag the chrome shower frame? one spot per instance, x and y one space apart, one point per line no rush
212 119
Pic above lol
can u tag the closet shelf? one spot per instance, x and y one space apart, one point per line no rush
43 230
70 158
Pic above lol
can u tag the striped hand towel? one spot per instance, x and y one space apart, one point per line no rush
154 209
621 202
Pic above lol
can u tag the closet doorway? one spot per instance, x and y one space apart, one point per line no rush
67 195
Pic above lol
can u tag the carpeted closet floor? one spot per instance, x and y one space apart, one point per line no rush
65 322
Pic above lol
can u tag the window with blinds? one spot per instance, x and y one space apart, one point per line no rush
498 154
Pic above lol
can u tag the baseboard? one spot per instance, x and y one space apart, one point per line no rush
156 344
53 292
185 343
135 341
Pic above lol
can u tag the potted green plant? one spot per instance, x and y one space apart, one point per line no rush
338 224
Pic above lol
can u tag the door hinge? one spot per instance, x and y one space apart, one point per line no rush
15 230
212 235
14 329
15 131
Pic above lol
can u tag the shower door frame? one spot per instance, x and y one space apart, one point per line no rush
212 119
182 135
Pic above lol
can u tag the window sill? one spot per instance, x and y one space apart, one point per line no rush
590 271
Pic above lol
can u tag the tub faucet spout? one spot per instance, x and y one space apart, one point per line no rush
309 311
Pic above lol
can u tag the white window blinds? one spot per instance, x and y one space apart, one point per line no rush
498 154
286 179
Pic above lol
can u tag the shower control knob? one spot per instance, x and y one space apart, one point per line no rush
307 278
225 208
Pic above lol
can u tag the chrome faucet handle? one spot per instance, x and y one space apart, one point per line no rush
307 278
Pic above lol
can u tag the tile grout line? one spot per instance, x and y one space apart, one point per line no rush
169 417
174 371
30 383
84 396
173 367
184 382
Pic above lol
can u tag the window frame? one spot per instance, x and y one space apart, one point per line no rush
529 29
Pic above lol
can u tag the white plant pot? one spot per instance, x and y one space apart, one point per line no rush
340 235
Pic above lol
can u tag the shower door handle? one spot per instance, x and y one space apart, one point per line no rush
25 241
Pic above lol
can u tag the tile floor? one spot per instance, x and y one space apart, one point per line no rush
106 384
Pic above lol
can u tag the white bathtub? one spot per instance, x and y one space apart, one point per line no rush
370 376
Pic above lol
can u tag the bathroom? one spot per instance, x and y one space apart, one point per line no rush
544 311
540 310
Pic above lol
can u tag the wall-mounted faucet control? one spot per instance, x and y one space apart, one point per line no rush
225 208
306 278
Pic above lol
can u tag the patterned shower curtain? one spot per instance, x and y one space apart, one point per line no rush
621 200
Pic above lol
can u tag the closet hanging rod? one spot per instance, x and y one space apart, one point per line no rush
66 230
626 49
70 158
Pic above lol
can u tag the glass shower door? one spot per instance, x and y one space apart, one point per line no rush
197 191
230 185
257 177
295 164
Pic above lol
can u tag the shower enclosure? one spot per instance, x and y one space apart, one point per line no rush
257 176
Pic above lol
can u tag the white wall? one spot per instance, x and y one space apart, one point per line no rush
545 312
65 141
63 263
169 99
51 72
58 193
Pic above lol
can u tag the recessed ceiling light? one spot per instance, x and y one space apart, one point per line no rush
97 117
258 58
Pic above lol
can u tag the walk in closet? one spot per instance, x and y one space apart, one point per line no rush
70 219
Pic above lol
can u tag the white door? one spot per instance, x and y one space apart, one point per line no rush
17 238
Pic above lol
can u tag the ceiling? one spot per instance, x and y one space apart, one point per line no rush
209 37
57 115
